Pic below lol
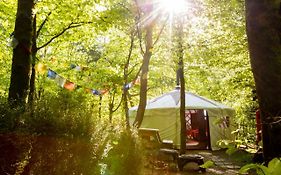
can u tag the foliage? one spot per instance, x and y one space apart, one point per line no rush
212 69
207 164
62 135
59 128
125 155
7 20
273 168
216 61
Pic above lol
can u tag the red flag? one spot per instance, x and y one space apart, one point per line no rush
69 85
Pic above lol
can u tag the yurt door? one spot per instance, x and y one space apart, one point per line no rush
197 131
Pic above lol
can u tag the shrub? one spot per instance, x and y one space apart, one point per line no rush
125 155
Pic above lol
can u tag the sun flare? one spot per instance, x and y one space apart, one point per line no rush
174 6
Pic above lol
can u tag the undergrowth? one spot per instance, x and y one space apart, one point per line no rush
62 134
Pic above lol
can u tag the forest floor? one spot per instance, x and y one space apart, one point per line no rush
223 164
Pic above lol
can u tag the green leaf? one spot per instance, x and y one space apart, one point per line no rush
247 167
208 164
231 150
274 166
263 170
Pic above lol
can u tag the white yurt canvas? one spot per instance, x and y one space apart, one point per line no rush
163 113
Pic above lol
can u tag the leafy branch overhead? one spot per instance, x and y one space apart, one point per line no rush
70 26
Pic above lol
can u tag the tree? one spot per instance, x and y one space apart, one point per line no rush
145 65
126 73
21 64
180 75
263 31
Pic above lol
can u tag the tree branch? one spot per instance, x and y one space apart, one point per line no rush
161 31
120 102
133 69
42 24
70 26
138 28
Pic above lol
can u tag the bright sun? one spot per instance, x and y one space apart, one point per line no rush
174 6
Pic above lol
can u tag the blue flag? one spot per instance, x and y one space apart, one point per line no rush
51 74
96 92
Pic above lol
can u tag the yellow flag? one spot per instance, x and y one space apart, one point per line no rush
41 68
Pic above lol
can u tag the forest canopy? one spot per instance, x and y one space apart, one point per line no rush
91 53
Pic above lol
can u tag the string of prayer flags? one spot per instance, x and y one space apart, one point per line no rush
64 83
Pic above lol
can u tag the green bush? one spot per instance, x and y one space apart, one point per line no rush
57 135
273 168
62 134
125 155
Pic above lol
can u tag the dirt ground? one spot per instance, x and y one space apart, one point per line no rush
223 164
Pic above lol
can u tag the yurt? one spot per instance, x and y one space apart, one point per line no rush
207 121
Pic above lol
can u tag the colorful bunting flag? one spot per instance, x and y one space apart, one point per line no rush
103 91
96 92
60 80
128 86
137 81
88 90
69 85
51 74
41 68
78 68
72 66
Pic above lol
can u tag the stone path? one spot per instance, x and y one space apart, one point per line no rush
224 164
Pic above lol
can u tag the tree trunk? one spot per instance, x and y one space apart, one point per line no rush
125 80
180 75
100 105
20 76
111 105
33 72
145 69
264 37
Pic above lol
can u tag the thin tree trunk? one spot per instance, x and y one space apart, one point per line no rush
263 19
145 69
33 72
179 53
100 106
144 76
111 105
20 76
125 80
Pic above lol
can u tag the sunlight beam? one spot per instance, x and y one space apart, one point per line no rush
174 6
